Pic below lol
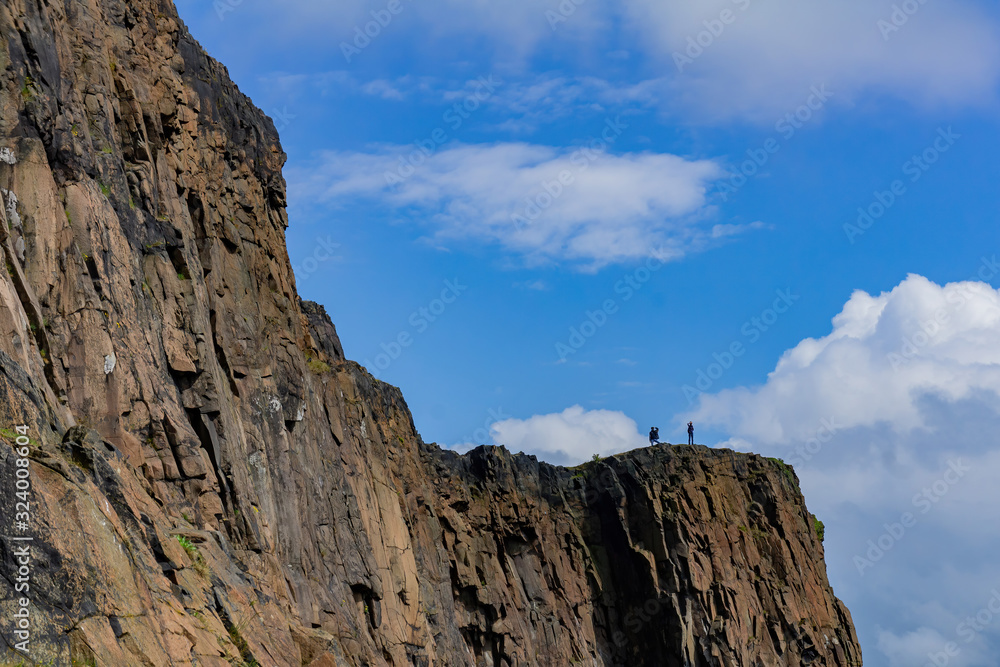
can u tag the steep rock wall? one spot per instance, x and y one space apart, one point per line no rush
212 483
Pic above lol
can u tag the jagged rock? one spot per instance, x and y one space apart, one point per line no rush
212 483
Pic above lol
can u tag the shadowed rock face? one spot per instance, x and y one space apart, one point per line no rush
212 483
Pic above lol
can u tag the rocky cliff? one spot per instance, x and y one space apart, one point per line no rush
191 473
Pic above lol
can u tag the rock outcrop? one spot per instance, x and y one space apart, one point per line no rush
210 482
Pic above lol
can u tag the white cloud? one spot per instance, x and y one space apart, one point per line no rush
765 59
569 437
886 353
874 415
608 208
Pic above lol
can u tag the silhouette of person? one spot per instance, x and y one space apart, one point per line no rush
654 436
690 433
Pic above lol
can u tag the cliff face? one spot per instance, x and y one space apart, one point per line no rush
212 483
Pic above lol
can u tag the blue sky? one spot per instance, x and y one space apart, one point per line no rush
551 218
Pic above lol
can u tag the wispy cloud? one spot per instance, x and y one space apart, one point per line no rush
752 66
533 285
543 98
583 206
752 59
384 89
290 84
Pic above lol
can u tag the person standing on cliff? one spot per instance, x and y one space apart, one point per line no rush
654 436
690 433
